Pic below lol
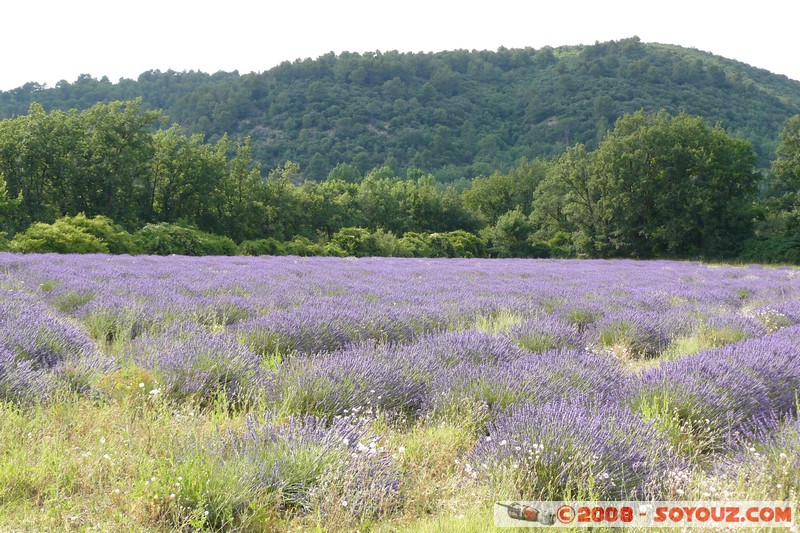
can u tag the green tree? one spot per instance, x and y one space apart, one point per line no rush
238 193
567 203
783 184
9 208
778 231
512 236
674 186
329 206
489 198
112 159
282 213
345 172
185 173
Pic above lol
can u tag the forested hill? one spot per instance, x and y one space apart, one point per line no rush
456 114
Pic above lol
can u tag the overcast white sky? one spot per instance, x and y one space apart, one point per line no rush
51 40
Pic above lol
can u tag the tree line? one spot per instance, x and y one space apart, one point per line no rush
116 178
457 114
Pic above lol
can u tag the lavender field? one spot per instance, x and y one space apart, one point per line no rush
258 394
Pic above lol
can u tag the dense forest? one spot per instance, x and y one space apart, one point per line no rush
455 114
614 150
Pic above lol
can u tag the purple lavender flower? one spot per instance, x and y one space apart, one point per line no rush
195 364
293 458
542 333
536 378
345 382
573 450
35 334
19 381
709 398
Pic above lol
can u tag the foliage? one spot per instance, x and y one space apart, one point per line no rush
261 247
117 239
169 239
93 162
61 237
599 455
481 160
457 113
512 236
657 185
779 213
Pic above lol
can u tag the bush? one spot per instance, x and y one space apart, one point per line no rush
169 239
416 245
784 249
304 246
117 239
262 247
605 453
60 237
360 242
77 234
466 244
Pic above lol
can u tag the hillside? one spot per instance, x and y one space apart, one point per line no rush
456 114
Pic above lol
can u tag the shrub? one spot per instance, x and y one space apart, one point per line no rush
294 466
193 364
360 242
174 239
77 234
304 247
775 249
416 245
466 244
572 450
342 383
117 239
262 247
60 237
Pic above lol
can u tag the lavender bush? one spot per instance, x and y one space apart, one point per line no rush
298 464
35 334
20 381
197 365
349 382
481 392
706 400
573 450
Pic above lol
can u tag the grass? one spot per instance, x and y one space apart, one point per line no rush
705 338
77 463
498 322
